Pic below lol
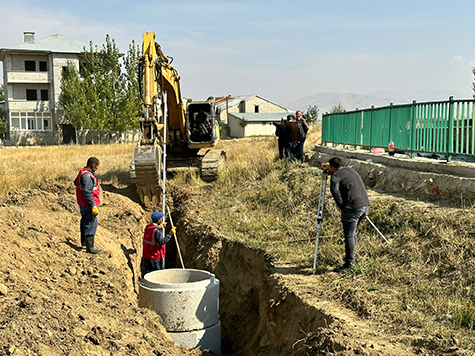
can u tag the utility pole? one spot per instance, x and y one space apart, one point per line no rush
227 108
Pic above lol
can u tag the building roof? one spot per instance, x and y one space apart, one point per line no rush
260 117
54 43
235 100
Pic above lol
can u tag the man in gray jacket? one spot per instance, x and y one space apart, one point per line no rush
349 193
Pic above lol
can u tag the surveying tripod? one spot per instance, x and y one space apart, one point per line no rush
321 201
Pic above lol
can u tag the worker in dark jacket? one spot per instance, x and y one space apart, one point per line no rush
88 198
291 130
282 139
154 244
349 193
303 129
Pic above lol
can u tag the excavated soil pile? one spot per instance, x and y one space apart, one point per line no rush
56 299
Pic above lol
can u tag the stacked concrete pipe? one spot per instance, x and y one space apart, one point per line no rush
188 302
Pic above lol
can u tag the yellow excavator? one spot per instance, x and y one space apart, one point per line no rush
173 134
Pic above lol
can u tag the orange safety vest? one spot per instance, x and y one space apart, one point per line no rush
80 190
152 250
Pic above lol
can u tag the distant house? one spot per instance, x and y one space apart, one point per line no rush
256 105
249 124
32 78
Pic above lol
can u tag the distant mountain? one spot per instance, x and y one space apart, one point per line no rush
352 101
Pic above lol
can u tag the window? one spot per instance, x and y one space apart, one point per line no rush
31 94
30 121
242 106
30 66
44 94
43 66
256 109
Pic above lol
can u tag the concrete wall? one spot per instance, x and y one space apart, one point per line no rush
264 106
32 138
235 129
259 129
249 105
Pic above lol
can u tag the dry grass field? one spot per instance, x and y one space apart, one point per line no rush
419 285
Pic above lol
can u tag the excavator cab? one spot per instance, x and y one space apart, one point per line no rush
202 124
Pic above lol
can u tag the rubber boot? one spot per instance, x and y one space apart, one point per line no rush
90 245
83 242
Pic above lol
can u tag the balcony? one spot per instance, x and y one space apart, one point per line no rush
27 77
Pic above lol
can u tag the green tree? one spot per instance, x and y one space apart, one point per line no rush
337 109
73 98
131 103
3 120
109 95
311 115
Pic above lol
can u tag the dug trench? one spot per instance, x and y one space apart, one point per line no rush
57 300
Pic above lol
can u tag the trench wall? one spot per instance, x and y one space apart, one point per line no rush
259 315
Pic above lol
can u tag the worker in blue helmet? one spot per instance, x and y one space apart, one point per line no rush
154 243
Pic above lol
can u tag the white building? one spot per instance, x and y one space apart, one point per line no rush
253 124
32 78
256 110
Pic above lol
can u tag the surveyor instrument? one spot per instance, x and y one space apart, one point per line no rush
321 201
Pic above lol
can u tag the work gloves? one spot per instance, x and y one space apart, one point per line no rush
173 230
163 224
95 211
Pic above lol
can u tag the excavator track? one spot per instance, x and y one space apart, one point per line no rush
146 173
211 162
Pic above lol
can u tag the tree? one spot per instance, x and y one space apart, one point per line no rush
73 98
311 116
337 109
132 106
101 96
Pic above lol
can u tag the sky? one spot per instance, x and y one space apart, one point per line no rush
280 50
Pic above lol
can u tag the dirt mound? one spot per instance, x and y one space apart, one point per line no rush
57 300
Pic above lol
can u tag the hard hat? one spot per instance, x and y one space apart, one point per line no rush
157 216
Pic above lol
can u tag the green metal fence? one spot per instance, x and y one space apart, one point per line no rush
442 127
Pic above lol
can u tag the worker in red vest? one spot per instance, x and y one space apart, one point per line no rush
87 194
154 243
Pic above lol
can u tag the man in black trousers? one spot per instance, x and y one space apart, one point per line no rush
349 193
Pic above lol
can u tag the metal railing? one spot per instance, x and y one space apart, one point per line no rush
440 127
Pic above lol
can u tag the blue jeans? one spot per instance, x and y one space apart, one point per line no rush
351 218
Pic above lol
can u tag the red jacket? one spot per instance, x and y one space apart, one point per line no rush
82 201
152 250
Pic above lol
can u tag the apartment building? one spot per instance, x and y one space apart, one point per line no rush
32 77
